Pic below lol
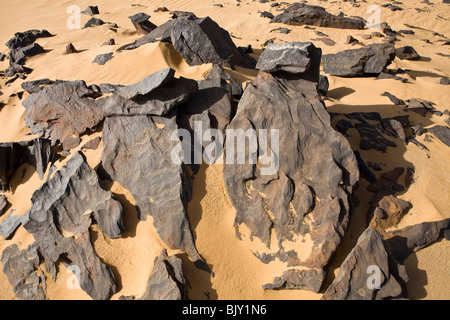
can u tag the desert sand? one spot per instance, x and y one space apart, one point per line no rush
238 274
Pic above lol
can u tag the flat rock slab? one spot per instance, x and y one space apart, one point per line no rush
367 61
302 14
59 220
137 154
442 133
101 59
299 196
292 57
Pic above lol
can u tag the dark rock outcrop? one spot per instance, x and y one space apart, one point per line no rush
59 220
22 267
68 109
167 280
23 39
353 280
366 61
302 14
201 41
63 112
161 188
304 194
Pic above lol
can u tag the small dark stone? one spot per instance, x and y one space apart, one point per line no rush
70 49
101 59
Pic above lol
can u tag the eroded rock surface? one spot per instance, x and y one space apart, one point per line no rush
59 220
305 201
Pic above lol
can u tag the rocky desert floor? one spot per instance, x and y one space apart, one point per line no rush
366 159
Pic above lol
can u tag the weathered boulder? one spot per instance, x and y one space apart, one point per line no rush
59 220
366 61
22 267
142 145
374 269
201 41
302 14
302 198
407 53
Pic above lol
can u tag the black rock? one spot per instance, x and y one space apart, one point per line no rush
167 281
266 14
22 267
366 61
292 57
202 41
35 85
70 48
23 39
153 171
69 201
372 138
323 85
101 59
141 23
91 10
444 81
94 22
407 53
276 199
352 281
442 133
303 14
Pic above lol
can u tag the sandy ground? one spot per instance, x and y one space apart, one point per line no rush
238 274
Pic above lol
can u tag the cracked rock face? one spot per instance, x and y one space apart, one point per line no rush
304 205
62 112
142 145
59 219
